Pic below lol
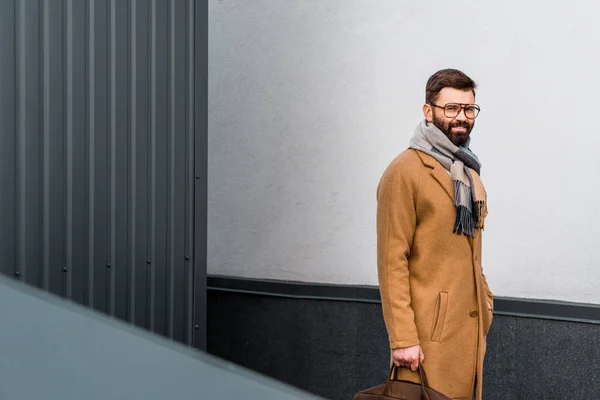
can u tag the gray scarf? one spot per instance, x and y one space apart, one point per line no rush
464 168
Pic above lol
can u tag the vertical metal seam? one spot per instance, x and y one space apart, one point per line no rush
15 62
63 166
200 161
196 181
171 276
190 178
113 177
91 138
21 136
45 99
69 156
152 186
133 148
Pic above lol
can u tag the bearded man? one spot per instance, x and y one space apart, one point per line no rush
431 206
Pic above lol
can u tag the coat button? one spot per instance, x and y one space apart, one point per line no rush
474 314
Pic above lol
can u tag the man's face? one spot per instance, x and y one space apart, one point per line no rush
457 129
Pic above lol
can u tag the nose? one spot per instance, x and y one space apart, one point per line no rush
461 115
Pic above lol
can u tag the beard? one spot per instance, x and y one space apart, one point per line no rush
458 139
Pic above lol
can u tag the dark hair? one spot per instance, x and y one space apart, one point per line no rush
447 78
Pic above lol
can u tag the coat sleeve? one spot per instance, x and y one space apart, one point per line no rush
396 224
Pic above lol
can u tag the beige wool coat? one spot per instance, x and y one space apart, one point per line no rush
433 290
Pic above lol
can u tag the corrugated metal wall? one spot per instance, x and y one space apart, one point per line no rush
98 156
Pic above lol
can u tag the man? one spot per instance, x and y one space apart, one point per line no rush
431 206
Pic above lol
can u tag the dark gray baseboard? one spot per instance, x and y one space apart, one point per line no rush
527 308
331 340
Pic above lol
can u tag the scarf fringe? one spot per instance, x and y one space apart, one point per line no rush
464 223
468 213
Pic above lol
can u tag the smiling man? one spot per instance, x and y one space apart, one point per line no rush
431 206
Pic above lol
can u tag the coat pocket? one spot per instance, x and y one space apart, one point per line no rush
439 316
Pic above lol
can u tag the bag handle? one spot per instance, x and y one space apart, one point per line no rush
394 375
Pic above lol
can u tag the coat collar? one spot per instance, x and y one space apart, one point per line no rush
439 173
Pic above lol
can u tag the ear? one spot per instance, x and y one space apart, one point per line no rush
428 112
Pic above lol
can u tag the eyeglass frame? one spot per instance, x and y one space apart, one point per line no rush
462 109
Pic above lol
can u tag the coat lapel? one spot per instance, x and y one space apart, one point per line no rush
438 173
441 176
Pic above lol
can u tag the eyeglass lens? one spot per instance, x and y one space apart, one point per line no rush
451 110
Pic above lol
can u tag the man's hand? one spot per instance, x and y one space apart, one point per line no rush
408 357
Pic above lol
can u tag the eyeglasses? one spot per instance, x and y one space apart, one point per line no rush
451 110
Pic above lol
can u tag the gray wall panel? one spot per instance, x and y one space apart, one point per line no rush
8 186
98 127
120 100
98 141
52 144
77 203
177 176
30 143
160 152
140 157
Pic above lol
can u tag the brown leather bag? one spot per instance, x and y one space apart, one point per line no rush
398 389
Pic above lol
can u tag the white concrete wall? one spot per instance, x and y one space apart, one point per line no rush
309 101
